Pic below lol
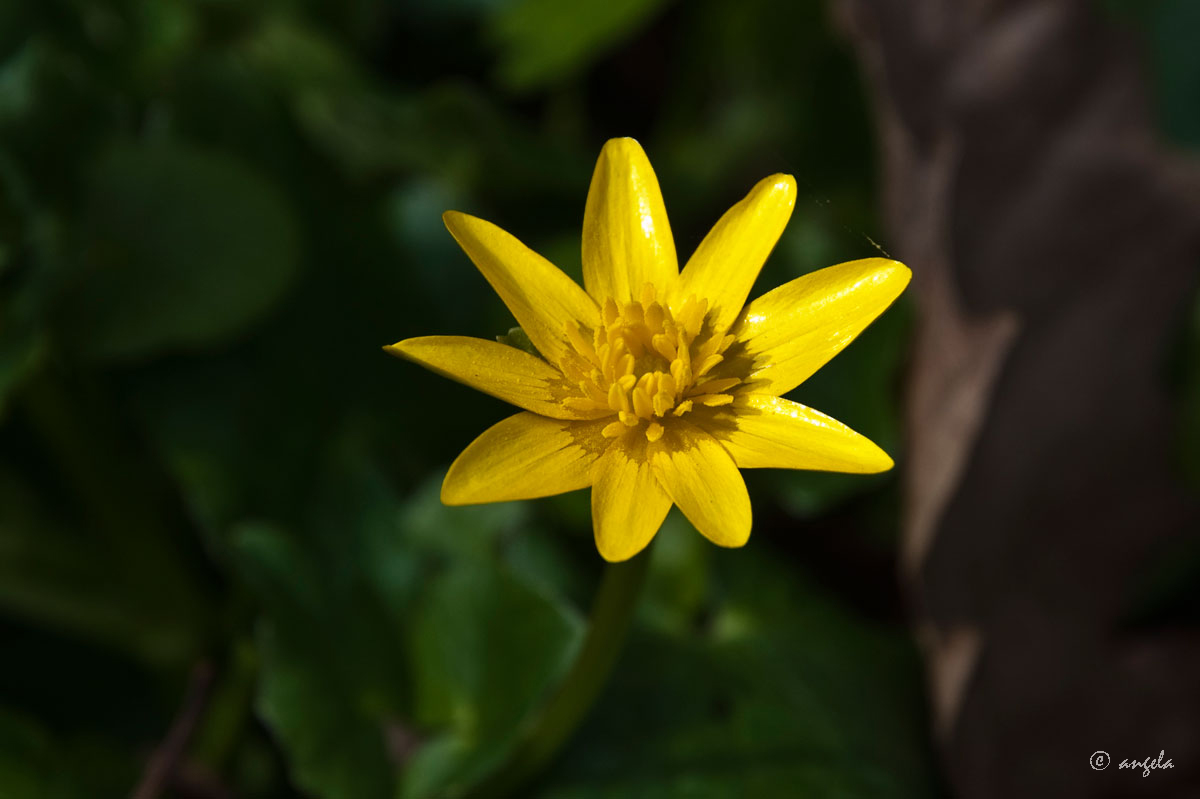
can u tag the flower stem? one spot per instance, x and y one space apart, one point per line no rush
612 612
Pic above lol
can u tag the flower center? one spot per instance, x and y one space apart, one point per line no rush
645 364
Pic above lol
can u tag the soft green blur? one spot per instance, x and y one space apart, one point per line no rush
213 214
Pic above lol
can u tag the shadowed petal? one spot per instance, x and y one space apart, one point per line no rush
628 504
626 237
789 333
702 479
765 432
726 264
539 294
523 457
505 372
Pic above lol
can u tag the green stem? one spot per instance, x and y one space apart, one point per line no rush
612 612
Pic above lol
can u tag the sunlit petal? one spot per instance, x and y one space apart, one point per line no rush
765 432
727 262
505 372
523 457
702 479
787 334
628 503
542 298
626 237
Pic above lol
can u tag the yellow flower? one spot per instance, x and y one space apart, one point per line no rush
655 386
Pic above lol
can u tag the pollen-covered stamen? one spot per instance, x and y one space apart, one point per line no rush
646 364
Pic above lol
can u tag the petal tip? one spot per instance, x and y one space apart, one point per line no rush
405 348
622 143
623 154
456 221
615 554
784 184
452 494
877 461
899 267
731 538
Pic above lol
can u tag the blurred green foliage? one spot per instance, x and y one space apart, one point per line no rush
212 216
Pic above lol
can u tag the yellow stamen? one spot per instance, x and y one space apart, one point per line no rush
613 430
713 400
645 363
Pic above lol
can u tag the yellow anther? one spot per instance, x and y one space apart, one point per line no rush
664 347
713 400
618 398
711 346
715 385
641 403
708 363
580 342
644 363
613 430
677 373
602 356
647 294
611 312
584 404
634 315
654 317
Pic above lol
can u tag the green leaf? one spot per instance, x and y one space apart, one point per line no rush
486 648
36 765
399 650
25 752
54 572
774 689
317 690
544 41
186 248
20 352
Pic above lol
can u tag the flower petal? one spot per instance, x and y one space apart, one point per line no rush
523 457
765 432
701 478
505 372
628 504
725 265
626 237
789 333
539 294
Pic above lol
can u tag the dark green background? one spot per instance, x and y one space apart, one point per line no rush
212 216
